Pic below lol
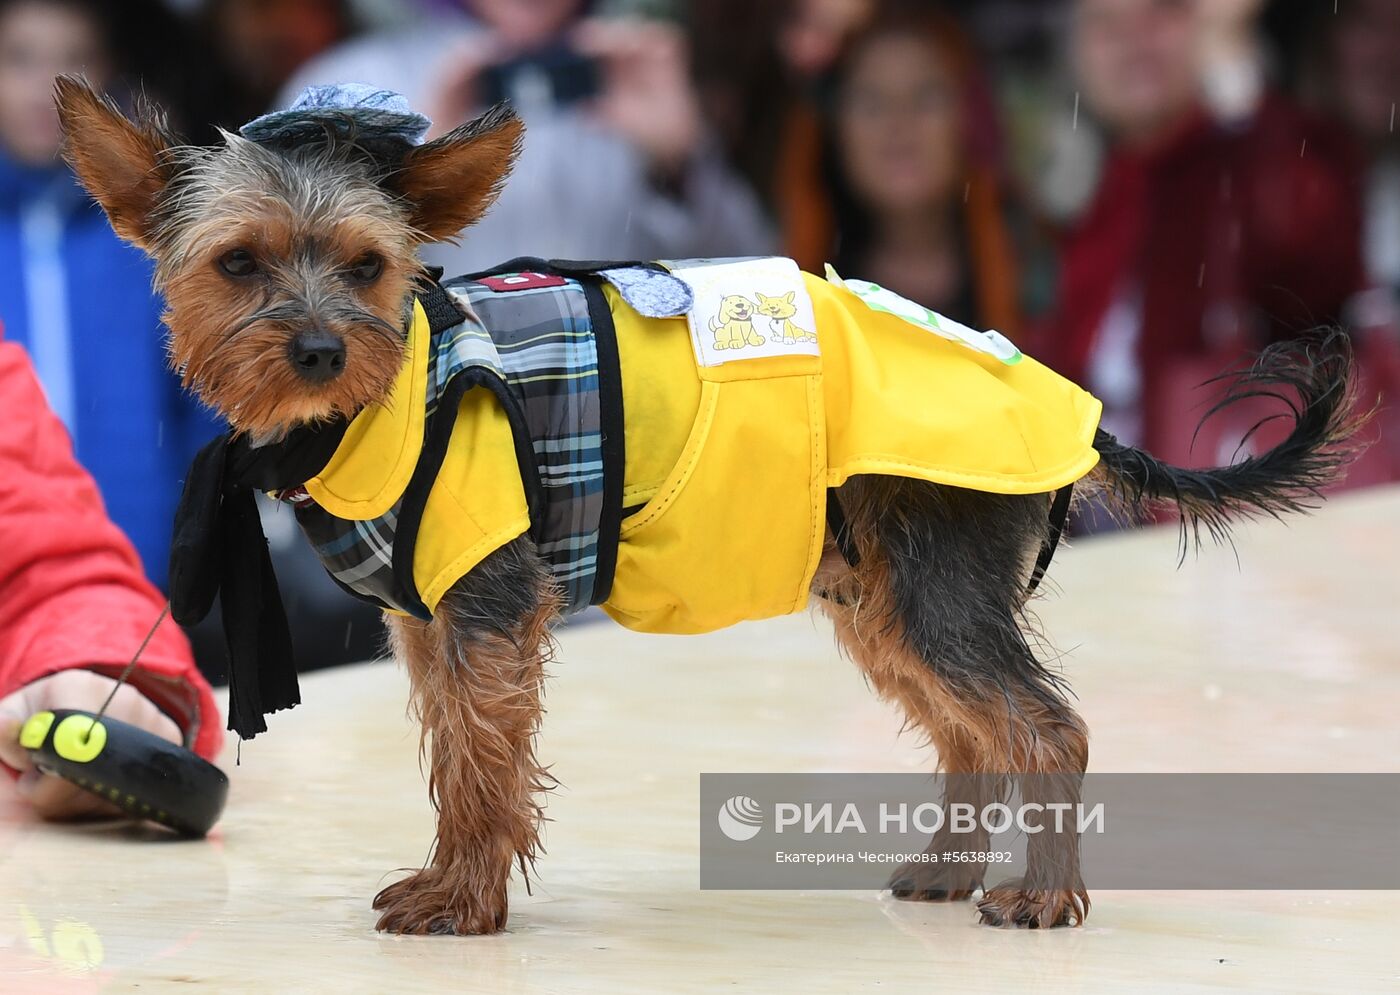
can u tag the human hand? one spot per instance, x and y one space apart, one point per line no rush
453 99
53 797
647 96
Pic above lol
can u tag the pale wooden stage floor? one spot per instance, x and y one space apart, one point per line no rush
1286 662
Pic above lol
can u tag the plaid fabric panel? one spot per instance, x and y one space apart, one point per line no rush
358 555
541 344
544 347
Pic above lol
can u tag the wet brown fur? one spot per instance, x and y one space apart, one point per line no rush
933 614
478 692
987 724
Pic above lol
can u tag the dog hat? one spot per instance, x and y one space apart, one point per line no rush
359 107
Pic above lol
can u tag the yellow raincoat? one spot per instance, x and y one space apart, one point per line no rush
727 467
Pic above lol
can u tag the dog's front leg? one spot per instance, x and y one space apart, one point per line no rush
477 672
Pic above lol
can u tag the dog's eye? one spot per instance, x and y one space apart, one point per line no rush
238 262
366 269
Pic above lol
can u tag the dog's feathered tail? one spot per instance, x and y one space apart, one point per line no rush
1314 377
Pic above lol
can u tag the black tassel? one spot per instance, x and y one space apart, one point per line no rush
262 674
219 549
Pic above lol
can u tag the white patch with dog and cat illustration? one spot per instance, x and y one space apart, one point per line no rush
748 309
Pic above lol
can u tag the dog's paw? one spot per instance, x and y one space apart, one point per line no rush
426 903
926 882
1012 904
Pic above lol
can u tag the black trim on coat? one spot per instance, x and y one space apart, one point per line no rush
437 435
612 425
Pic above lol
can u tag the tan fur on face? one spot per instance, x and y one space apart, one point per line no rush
306 214
306 219
239 364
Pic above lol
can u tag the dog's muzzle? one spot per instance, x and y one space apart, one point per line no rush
318 356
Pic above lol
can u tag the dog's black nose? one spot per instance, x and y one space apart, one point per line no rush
318 356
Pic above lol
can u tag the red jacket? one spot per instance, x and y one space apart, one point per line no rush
1236 236
71 589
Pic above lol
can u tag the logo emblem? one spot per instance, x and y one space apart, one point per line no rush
749 309
740 818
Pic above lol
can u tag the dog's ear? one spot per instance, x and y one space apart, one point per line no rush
790 296
122 164
452 181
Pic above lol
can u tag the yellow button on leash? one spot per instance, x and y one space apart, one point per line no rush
132 768
79 738
35 729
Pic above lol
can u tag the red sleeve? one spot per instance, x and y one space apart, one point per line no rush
72 593
1304 217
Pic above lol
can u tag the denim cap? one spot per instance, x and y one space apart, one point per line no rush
371 110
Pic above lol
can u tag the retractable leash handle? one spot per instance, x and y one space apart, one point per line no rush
142 774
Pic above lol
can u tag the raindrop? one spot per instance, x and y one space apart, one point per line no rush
1303 149
348 626
1392 115
1076 110
160 433
1201 276
967 189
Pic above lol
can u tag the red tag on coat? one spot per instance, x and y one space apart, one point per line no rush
521 281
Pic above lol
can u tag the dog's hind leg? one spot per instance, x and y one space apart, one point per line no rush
932 615
900 677
477 671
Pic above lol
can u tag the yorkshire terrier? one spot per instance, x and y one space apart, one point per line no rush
290 272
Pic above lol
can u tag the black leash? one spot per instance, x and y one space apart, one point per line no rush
126 674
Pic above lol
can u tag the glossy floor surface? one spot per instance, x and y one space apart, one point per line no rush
1285 660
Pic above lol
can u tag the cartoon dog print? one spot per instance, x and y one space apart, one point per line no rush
733 327
779 311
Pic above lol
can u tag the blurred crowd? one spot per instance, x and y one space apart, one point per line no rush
1139 192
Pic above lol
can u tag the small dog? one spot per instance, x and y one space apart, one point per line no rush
290 273
779 311
733 326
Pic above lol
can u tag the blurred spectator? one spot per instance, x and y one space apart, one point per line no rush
910 151
816 31
1353 71
265 41
1357 75
255 46
617 163
747 88
1208 233
761 89
1231 57
77 298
